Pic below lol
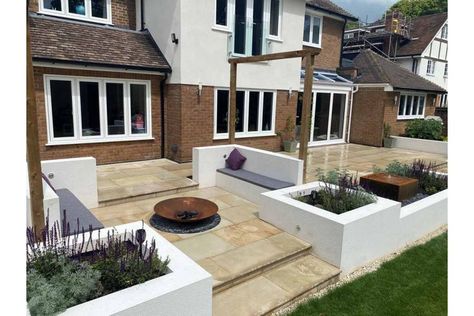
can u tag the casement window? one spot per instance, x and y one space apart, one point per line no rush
414 66
411 106
90 10
430 67
444 32
312 30
251 23
255 113
446 70
83 110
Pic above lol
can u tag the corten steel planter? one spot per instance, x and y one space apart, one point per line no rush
389 186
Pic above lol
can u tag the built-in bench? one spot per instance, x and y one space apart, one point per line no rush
262 171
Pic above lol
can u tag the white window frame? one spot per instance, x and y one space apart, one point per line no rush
412 95
220 27
321 19
87 17
78 138
444 32
430 67
267 15
445 75
246 133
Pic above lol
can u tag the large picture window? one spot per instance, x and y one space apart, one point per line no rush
92 10
82 110
312 30
255 113
411 106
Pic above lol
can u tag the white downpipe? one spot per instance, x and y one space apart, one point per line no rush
350 113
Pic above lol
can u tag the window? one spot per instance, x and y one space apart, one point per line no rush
414 66
255 111
312 30
430 67
275 15
444 32
348 35
221 12
411 106
82 110
92 10
446 70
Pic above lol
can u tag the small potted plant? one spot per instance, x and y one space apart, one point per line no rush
387 141
288 136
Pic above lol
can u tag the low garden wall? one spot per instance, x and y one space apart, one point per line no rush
185 290
354 238
426 145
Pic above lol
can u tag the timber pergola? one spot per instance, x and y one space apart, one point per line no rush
308 56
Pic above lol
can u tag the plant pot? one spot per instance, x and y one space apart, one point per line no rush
290 145
387 142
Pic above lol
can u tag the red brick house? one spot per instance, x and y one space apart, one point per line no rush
387 94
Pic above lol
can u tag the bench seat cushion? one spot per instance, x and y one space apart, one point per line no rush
75 210
255 178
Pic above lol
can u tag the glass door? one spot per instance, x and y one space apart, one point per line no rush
321 117
338 116
249 27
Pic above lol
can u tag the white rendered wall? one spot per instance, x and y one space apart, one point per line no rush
50 205
78 175
201 54
426 145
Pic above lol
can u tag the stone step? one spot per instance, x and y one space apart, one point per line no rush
251 260
275 288
139 197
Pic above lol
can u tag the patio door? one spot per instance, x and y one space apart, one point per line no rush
328 117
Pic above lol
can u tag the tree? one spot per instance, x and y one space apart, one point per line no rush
413 8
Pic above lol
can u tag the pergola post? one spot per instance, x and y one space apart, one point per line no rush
232 101
308 91
32 144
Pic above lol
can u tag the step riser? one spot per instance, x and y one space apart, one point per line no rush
147 196
260 270
314 289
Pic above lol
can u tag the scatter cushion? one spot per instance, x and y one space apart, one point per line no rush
235 160
45 178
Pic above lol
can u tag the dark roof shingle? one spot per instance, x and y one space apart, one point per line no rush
374 68
423 30
55 39
331 7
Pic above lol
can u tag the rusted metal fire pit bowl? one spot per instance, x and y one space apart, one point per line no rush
186 209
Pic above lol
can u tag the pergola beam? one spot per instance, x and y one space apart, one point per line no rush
308 55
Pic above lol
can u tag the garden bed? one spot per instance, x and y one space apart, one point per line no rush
184 289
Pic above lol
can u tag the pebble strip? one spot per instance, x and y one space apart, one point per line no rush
371 267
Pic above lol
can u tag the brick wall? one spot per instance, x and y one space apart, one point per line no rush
190 121
103 152
367 116
123 12
330 45
372 107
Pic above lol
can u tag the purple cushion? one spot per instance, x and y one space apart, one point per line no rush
235 160
47 181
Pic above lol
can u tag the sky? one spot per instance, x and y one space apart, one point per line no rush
373 9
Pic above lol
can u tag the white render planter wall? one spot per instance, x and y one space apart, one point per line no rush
426 145
354 238
186 290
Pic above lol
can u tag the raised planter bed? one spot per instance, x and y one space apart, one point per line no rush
185 290
426 145
354 238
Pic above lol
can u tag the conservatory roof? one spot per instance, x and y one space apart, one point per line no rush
327 77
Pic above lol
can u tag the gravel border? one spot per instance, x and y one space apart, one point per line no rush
370 267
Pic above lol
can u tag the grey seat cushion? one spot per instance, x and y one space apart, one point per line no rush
255 178
75 210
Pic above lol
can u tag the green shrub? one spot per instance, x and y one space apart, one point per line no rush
49 293
424 129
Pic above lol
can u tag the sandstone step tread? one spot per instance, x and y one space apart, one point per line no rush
275 288
237 265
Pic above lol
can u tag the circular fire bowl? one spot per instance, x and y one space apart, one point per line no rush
189 227
186 209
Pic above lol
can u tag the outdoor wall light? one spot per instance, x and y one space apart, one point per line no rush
174 39
200 88
290 91
395 100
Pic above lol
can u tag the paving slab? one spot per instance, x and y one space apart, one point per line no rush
203 246
247 232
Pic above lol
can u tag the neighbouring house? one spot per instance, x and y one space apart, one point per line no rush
126 80
98 80
418 44
387 94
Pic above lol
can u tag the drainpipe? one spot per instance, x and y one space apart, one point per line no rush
350 113
342 42
162 112
142 16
